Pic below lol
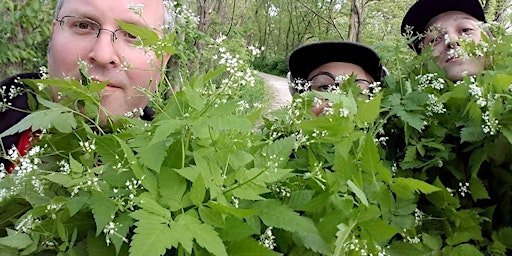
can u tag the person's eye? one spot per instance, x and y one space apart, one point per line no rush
84 25
436 39
128 36
325 88
466 30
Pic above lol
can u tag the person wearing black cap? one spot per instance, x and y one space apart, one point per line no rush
316 66
441 24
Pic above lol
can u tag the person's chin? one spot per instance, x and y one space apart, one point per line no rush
457 71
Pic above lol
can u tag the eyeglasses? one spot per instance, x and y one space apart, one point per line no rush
325 81
85 28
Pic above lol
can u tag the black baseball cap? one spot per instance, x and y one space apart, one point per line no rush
421 12
307 58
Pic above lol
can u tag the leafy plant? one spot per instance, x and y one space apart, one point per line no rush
419 167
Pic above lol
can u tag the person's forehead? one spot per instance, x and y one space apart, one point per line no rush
336 68
449 16
125 10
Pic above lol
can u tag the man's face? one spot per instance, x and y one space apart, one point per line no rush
126 67
320 81
443 34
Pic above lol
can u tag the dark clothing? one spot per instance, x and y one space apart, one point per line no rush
15 112
19 108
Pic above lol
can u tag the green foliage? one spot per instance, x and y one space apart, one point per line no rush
25 34
414 168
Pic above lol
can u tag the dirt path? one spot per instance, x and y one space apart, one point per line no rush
280 96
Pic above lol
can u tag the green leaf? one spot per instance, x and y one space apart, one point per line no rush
434 242
146 202
359 193
477 188
248 247
416 185
96 246
369 111
198 190
465 250
124 222
415 120
314 242
146 34
341 236
103 209
203 234
76 203
172 188
379 230
505 236
153 238
275 214
211 217
61 179
153 155
16 240
370 160
235 229
45 119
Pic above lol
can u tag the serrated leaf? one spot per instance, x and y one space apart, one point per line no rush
416 185
108 148
465 250
124 223
341 236
248 247
415 120
198 190
16 240
314 242
369 111
153 155
146 202
379 230
44 119
96 246
211 217
166 128
61 179
76 203
505 236
203 234
275 214
146 34
152 238
434 242
236 229
172 187
103 208
478 190
359 193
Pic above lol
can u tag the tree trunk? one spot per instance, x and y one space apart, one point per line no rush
356 21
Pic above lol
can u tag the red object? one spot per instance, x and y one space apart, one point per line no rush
23 146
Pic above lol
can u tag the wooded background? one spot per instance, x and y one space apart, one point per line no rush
278 26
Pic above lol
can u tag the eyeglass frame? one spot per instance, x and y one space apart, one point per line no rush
336 84
96 24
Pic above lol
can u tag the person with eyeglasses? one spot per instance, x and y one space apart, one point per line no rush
86 33
441 24
323 66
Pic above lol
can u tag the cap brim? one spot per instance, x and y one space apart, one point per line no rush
421 12
307 58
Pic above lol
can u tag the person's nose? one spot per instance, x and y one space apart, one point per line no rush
451 40
104 52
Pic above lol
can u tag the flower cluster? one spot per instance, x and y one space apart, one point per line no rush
267 239
430 80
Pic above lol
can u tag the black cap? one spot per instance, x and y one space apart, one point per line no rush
307 58
421 12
